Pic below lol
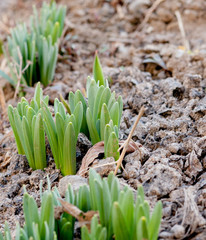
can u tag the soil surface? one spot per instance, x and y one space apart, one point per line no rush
149 62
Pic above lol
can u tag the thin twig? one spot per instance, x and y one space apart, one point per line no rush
123 168
21 71
126 143
182 30
149 13
27 65
2 100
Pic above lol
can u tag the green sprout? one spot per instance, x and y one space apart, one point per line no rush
22 50
27 125
119 216
32 54
101 112
101 115
62 135
136 219
119 213
97 71
41 225
38 225
47 57
97 231
49 22
64 227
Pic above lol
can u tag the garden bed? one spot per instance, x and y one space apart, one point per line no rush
148 65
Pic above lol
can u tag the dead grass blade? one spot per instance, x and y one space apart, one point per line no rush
182 30
2 101
126 143
149 13
82 217
20 70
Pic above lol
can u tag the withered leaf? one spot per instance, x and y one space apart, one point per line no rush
156 59
98 148
90 156
84 218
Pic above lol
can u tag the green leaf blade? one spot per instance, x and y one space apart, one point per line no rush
39 144
69 151
97 71
119 225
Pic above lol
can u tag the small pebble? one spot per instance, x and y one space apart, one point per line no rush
178 231
174 147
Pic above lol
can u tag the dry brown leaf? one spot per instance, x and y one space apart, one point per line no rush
71 209
90 156
82 217
97 149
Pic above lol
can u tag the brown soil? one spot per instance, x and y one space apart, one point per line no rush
171 84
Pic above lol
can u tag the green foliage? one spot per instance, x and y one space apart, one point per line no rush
103 193
111 142
47 58
50 21
64 227
7 233
22 50
119 213
97 231
104 112
74 99
34 52
38 225
101 115
134 221
42 224
120 217
62 134
27 125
